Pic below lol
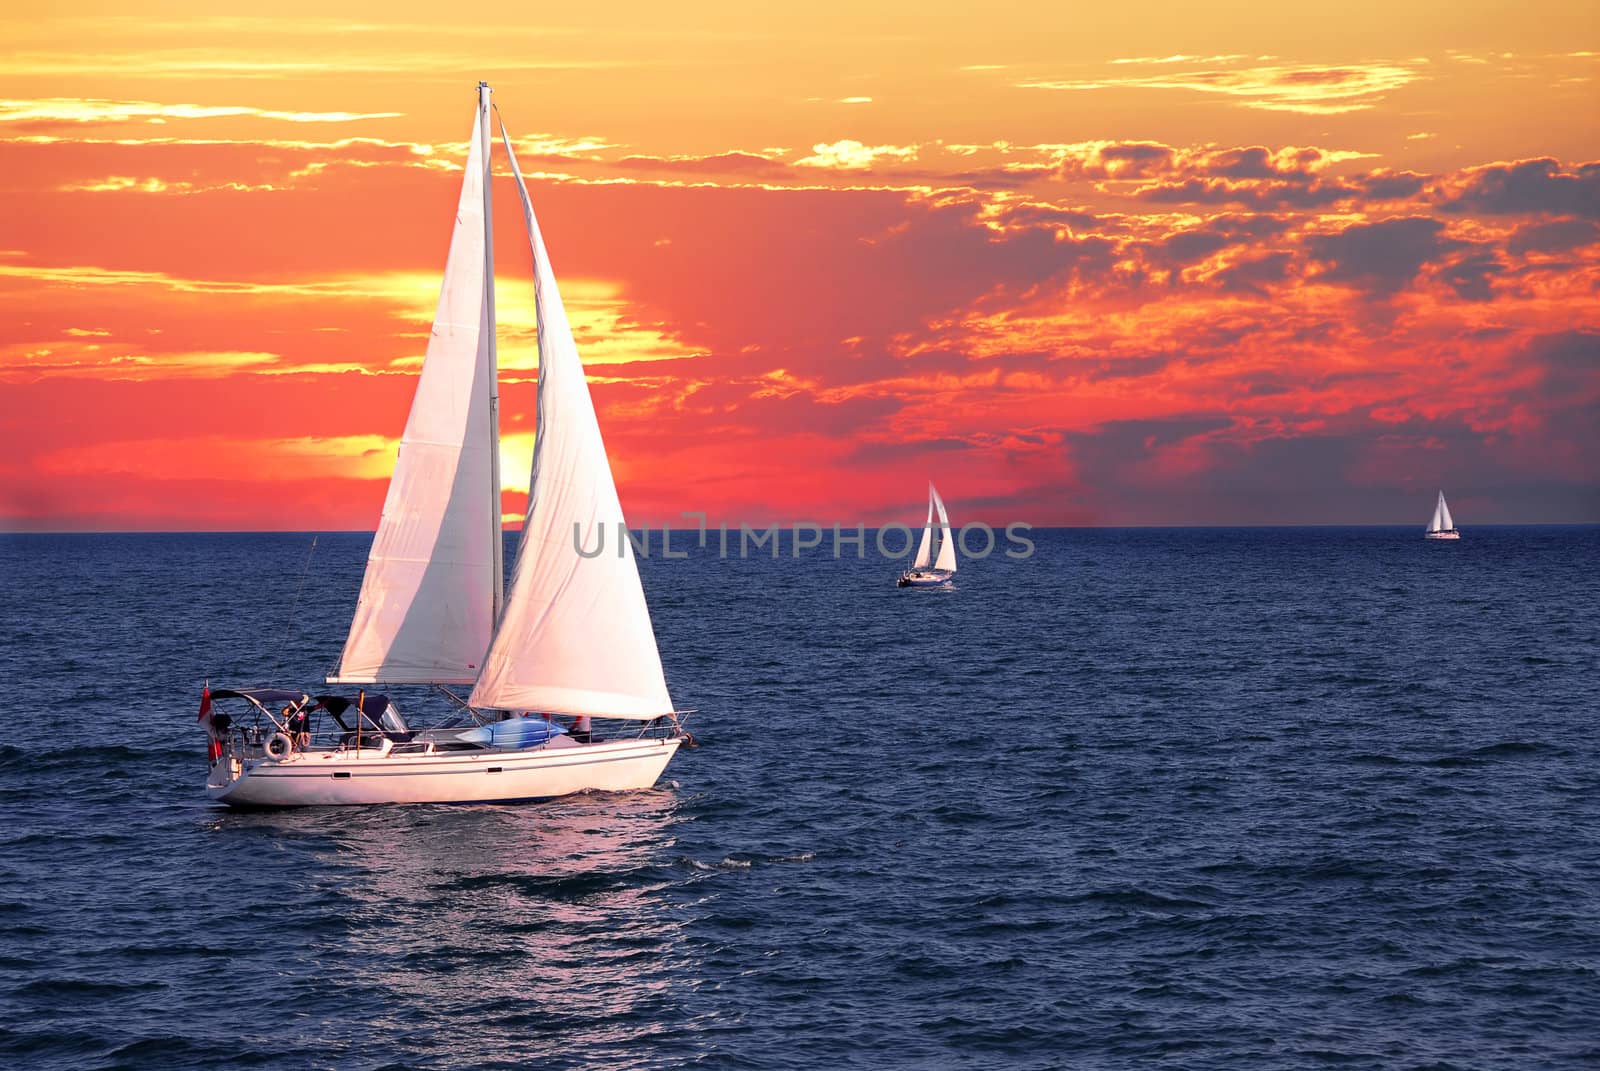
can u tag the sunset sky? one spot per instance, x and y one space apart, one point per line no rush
1110 263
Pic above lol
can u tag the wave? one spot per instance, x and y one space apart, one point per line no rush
1508 749
68 988
1142 899
571 887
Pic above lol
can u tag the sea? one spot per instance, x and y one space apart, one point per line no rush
1180 798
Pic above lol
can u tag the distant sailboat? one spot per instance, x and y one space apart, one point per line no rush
1441 526
572 640
943 568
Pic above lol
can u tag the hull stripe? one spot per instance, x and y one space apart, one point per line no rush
273 771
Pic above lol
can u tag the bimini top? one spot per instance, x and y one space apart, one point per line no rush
263 696
372 705
377 712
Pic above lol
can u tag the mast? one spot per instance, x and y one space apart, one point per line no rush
497 540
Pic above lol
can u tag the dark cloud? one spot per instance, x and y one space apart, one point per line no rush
1136 158
1150 160
881 451
1254 226
1525 187
1265 194
1469 276
1047 215
1352 470
1556 236
1187 247
1253 275
1381 257
1251 163
1391 185
1266 385
1183 248
1125 441
1272 190
1565 402
1253 176
1098 369
1570 352
1011 177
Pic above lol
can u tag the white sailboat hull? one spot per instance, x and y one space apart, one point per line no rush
1442 535
343 777
926 580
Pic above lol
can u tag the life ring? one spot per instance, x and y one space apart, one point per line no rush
278 746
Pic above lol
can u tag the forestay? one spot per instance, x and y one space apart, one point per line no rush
575 637
425 613
925 548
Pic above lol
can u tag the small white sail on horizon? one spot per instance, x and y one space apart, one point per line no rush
943 566
1442 525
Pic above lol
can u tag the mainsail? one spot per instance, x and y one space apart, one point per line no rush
947 544
428 599
575 637
1442 521
925 548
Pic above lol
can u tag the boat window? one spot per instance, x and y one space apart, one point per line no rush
391 720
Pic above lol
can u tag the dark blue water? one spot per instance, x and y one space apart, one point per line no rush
1221 798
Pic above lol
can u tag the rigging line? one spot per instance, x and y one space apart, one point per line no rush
462 703
288 633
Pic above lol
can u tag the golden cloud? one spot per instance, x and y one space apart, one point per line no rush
852 155
90 110
1308 89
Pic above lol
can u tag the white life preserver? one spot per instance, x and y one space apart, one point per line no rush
278 746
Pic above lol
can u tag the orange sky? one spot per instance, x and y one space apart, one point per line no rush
1108 264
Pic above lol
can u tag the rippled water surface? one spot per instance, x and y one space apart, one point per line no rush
1186 798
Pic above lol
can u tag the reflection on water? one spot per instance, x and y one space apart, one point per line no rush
499 923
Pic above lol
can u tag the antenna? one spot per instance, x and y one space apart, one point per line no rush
288 632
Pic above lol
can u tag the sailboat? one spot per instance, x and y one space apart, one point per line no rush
1441 525
567 690
943 567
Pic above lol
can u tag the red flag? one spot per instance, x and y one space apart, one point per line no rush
213 745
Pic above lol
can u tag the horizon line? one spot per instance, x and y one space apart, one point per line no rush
869 528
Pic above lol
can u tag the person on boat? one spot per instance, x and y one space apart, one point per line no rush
299 723
218 726
580 730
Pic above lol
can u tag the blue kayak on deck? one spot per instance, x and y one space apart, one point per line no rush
514 733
